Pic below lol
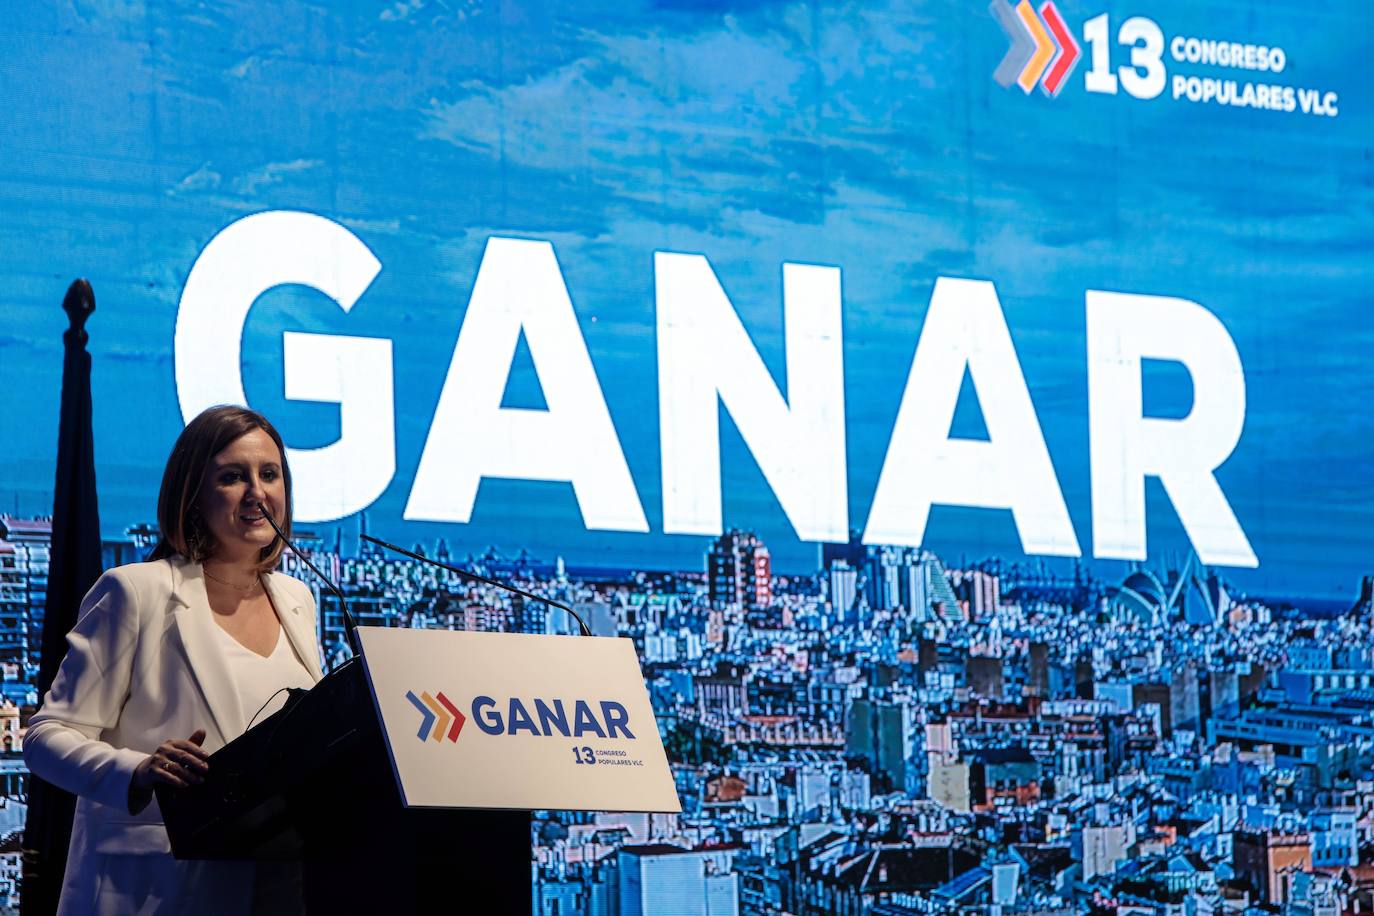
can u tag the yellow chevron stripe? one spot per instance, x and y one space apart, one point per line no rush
438 709
1044 47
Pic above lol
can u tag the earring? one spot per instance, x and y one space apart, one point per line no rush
194 537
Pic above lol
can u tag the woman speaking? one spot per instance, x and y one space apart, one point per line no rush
170 660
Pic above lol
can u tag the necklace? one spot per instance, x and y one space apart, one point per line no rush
238 588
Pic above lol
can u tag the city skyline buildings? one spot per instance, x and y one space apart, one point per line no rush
342 536
931 699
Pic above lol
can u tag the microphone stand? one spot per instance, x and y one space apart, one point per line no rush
350 625
474 577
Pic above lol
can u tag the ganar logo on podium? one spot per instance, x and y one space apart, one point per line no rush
552 718
546 722
440 719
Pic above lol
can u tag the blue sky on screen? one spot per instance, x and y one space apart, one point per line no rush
870 137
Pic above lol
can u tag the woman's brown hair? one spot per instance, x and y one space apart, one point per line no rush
183 532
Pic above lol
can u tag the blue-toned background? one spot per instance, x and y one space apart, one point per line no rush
870 137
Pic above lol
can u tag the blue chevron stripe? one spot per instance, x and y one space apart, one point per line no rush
424 711
1022 44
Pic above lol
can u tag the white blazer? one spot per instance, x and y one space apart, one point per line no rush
142 666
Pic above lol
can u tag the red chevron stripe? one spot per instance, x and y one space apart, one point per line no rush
458 717
1069 50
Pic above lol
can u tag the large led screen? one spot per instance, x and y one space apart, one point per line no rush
964 407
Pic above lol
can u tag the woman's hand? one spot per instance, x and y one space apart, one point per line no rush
176 762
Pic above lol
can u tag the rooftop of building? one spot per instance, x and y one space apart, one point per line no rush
1014 754
645 850
886 867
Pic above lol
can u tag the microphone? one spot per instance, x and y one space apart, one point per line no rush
350 625
473 577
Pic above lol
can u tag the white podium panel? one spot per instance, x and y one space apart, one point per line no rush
507 720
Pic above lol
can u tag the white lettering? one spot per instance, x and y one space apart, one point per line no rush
520 287
964 327
354 372
1126 446
247 258
705 356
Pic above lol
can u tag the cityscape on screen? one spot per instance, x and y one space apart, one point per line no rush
892 733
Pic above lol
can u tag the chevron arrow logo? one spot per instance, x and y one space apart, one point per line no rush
1042 49
439 718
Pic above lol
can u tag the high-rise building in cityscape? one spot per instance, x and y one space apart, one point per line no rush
27 543
739 571
662 878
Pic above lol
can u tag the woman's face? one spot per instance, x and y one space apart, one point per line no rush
246 473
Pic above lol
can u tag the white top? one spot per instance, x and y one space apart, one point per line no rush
262 680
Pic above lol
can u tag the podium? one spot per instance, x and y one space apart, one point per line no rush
403 782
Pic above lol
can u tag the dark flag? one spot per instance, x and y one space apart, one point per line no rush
73 567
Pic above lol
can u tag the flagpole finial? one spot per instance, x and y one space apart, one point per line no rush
79 303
